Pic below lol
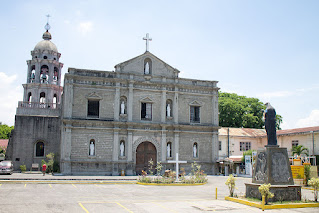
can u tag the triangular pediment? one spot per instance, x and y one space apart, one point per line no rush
147 100
195 103
157 66
93 95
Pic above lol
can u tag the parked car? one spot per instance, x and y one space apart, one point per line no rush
6 167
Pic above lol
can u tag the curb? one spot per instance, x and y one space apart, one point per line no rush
170 184
273 206
66 182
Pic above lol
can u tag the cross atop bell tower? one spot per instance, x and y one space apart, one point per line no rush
147 38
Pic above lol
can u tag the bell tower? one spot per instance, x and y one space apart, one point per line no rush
42 89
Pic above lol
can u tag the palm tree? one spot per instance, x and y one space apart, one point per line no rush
300 149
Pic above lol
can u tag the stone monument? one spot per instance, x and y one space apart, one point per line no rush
272 166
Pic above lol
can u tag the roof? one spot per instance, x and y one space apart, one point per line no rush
147 53
298 130
242 132
46 45
4 142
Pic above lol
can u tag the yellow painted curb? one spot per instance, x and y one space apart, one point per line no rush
273 206
171 184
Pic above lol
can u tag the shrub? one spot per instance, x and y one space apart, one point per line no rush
264 191
230 182
314 182
150 166
158 168
23 168
307 173
50 163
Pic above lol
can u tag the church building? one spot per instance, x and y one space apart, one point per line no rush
109 122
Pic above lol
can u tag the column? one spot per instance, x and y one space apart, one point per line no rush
66 137
117 102
130 146
37 72
115 145
164 144
130 102
215 118
115 152
176 142
29 72
175 106
163 106
129 168
51 73
68 100
215 149
59 74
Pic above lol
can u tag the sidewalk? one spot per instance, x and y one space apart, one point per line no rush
58 178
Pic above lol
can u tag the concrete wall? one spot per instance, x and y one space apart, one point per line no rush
28 131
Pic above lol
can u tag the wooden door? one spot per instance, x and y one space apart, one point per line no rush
144 153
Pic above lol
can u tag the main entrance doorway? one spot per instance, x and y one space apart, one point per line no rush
144 153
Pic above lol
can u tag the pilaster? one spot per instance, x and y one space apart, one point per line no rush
117 102
175 105
164 144
163 105
130 102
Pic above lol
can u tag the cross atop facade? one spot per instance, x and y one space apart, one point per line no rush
177 166
147 38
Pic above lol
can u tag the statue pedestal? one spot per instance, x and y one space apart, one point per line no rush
272 166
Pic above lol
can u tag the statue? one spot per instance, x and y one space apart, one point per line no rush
122 108
122 149
195 151
168 150
92 148
147 69
168 109
270 125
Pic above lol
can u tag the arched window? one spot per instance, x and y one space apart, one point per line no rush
44 74
169 108
42 97
32 77
55 75
195 150
55 100
29 97
92 147
169 150
122 148
147 66
123 105
39 149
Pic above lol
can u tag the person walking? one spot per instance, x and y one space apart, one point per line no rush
44 168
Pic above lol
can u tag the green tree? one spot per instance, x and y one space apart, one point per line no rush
240 111
300 149
5 131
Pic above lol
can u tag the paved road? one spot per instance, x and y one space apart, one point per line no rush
113 197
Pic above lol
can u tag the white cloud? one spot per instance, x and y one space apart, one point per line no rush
85 27
10 96
311 120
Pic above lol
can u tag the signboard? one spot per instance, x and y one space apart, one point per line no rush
248 167
297 171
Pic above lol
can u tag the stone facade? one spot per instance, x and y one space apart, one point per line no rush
130 85
107 121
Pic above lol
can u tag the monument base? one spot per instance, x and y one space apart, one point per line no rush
281 192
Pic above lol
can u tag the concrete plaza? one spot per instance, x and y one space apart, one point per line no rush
88 194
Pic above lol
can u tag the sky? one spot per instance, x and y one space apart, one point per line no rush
262 49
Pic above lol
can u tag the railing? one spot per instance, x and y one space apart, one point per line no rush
38 105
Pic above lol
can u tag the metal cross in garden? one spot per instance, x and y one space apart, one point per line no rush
147 38
177 166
